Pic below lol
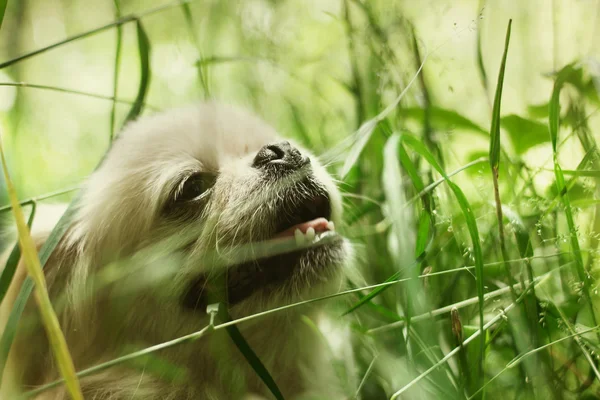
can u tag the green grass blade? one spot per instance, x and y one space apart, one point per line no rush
144 54
202 69
400 217
56 338
453 352
470 220
442 119
554 126
413 174
495 129
554 105
251 357
480 64
423 230
40 198
123 359
66 41
362 136
13 260
495 159
3 4
124 20
377 291
70 91
113 110
10 329
578 173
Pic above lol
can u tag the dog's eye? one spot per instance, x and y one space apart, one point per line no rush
195 186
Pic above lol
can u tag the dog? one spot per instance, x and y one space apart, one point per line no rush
193 206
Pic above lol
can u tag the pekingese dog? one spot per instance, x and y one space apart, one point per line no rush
195 206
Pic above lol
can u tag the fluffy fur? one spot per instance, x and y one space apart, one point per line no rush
133 254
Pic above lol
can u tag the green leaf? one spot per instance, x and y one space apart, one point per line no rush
554 105
144 54
442 119
495 128
538 110
13 260
524 133
584 84
251 357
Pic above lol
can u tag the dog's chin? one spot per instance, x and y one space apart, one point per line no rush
287 277
274 280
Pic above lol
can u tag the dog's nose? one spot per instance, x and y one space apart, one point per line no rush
280 155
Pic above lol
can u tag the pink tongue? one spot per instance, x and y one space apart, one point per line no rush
319 225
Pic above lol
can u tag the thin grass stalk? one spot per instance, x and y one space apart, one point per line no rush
427 129
42 197
70 91
122 21
382 39
480 63
363 134
503 314
121 360
517 360
458 305
119 39
357 89
144 56
202 68
554 126
471 223
56 338
364 378
495 158
454 351
183 339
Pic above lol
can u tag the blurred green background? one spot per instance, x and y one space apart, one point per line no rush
317 70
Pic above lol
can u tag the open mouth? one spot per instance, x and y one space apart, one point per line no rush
308 223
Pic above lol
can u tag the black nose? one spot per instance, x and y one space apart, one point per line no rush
279 155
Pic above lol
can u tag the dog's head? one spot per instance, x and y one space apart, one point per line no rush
253 214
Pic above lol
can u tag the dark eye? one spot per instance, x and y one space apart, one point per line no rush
195 186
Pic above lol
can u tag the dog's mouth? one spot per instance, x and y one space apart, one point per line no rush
307 222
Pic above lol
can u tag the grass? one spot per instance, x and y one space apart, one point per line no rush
49 319
481 282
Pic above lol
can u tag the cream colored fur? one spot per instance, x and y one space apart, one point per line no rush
117 276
